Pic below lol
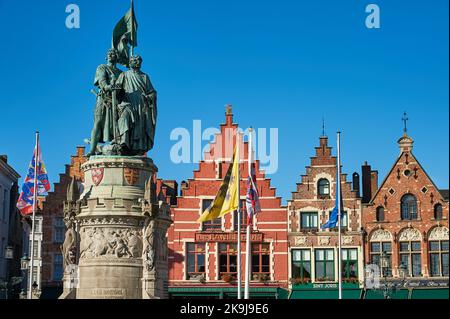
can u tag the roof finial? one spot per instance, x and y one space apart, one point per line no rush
323 126
405 120
229 109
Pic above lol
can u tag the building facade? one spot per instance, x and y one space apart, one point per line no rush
406 229
203 256
313 252
53 227
10 224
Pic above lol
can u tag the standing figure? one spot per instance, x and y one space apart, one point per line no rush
138 90
104 126
149 246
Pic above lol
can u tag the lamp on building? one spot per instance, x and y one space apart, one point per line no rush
9 252
24 263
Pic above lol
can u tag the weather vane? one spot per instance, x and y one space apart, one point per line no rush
405 120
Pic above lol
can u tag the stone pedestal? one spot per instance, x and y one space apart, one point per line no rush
115 245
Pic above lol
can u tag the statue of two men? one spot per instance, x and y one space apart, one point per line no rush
126 109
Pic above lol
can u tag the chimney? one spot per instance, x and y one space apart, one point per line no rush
373 183
171 191
4 158
355 183
366 183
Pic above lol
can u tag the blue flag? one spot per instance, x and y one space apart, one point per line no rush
334 215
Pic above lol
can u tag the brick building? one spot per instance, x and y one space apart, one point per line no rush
406 221
203 257
53 228
313 252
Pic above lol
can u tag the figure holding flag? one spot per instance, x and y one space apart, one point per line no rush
36 184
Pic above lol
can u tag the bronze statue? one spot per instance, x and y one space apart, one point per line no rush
138 90
104 116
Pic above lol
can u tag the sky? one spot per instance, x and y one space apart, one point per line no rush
281 64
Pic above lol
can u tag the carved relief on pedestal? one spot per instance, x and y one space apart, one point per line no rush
107 243
439 233
410 234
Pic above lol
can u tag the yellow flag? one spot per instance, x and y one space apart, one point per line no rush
227 199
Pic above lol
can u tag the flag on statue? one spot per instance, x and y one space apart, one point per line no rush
26 199
252 200
124 34
227 199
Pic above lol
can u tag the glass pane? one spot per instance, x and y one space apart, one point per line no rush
445 265
434 246
375 247
375 260
404 260
191 263
434 265
320 255
330 254
344 254
416 246
353 269
296 255
306 254
296 270
233 263
417 265
305 220
307 270
404 247
387 247
223 263
222 247
255 263
320 270
233 247
353 254
201 263
444 245
314 221
330 270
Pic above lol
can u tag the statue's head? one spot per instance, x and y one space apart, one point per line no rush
135 62
112 55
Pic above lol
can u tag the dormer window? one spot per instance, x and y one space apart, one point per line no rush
380 214
323 187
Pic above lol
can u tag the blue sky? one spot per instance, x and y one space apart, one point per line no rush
282 64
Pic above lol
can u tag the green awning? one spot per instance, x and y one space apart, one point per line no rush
378 294
326 294
429 293
227 292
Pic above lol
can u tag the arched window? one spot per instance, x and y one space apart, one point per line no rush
380 214
438 211
409 207
324 187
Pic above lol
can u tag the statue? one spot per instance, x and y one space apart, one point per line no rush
104 116
125 127
137 89
69 245
149 246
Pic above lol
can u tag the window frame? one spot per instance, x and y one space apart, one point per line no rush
409 208
300 264
439 253
411 254
321 187
310 219
231 251
377 255
326 264
199 249
211 225
345 272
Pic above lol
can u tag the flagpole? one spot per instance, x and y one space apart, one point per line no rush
249 219
132 26
31 268
339 213
239 261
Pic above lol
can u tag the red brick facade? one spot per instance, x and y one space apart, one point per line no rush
52 212
409 200
313 202
269 228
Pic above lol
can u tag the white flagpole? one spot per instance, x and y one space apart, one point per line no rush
31 266
239 261
339 213
247 250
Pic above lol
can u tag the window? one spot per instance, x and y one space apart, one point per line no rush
58 267
227 259
260 259
380 214
196 257
350 263
376 250
301 264
324 187
309 221
212 225
59 230
344 222
37 225
439 258
324 265
410 257
35 275
438 211
409 207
